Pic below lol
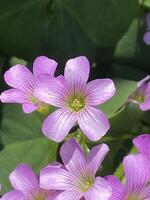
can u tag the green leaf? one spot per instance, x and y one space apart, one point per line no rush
126 48
145 3
95 17
23 142
123 89
16 126
41 27
127 121
15 61
28 24
131 49
35 152
62 28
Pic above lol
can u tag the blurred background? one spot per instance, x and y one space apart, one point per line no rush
110 33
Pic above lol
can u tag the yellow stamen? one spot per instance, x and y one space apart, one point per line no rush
34 100
133 198
40 198
77 104
140 98
86 183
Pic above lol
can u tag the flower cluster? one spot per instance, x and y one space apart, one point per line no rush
76 176
22 82
75 98
75 179
137 173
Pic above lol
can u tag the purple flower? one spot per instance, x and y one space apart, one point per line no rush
76 178
147 34
22 82
76 100
26 186
142 143
141 95
137 171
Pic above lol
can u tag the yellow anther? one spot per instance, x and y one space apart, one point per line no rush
34 100
133 198
77 104
86 184
41 197
139 98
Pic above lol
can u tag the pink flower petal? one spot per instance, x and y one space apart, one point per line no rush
13 195
69 195
136 177
101 190
55 178
73 157
44 65
96 156
24 179
77 72
142 143
20 78
61 79
100 90
56 164
145 193
93 123
52 195
117 188
143 81
13 96
50 90
29 107
58 124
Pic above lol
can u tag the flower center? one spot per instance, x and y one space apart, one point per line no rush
140 98
34 100
40 198
77 104
39 194
86 183
133 197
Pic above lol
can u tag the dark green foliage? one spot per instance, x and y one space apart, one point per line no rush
110 34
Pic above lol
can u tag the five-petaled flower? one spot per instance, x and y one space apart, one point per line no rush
76 178
22 82
137 173
76 100
26 186
141 95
